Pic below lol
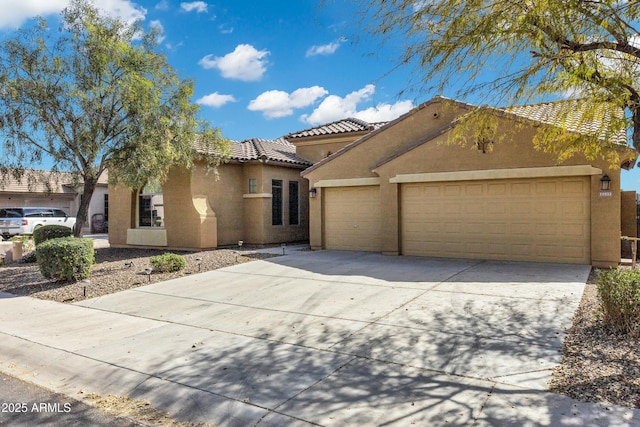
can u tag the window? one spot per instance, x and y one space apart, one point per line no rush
106 207
276 202
253 186
294 203
151 205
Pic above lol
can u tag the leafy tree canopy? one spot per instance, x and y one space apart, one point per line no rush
588 50
97 95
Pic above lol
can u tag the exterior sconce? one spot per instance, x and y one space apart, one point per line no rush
313 192
605 186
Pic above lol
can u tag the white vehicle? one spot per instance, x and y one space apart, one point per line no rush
24 220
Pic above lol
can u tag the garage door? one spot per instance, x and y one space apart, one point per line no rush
352 218
529 219
35 200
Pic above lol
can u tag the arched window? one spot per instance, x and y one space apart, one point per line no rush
151 205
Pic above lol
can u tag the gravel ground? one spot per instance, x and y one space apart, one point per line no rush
110 273
597 366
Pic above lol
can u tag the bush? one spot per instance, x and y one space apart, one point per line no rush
30 257
53 231
619 291
168 263
66 259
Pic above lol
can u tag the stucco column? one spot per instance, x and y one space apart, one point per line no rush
605 222
315 220
390 222
121 205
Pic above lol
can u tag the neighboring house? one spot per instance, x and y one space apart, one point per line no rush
39 188
403 190
258 197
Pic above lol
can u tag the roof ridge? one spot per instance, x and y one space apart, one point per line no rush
359 121
344 121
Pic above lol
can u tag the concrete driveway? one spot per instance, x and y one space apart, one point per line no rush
320 338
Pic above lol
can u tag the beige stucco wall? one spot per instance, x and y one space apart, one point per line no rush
317 148
629 224
205 210
259 209
438 156
121 213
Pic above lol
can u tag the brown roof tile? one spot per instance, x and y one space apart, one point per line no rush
335 128
573 116
42 181
279 150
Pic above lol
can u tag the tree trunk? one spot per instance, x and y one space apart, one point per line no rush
83 210
635 137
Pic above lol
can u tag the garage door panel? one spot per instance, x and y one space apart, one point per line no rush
545 219
352 218
496 189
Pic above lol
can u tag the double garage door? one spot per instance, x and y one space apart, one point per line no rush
49 201
542 219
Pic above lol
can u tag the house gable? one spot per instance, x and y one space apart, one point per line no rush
356 159
319 142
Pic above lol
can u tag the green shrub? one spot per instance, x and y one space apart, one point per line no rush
619 291
167 263
29 257
66 259
53 231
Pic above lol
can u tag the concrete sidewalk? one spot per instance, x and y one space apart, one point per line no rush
320 338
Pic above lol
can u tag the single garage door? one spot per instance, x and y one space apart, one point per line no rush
545 219
352 218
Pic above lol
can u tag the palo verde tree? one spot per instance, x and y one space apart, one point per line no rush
96 96
588 50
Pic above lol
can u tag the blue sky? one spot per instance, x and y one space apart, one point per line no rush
267 68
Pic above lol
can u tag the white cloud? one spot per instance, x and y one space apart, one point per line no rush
334 108
326 49
224 29
19 12
384 112
198 6
163 5
215 100
158 26
277 103
14 16
245 63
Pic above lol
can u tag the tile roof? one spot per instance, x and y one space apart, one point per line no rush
43 181
335 128
573 116
279 150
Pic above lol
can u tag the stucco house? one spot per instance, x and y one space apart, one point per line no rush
258 197
402 189
397 188
40 188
